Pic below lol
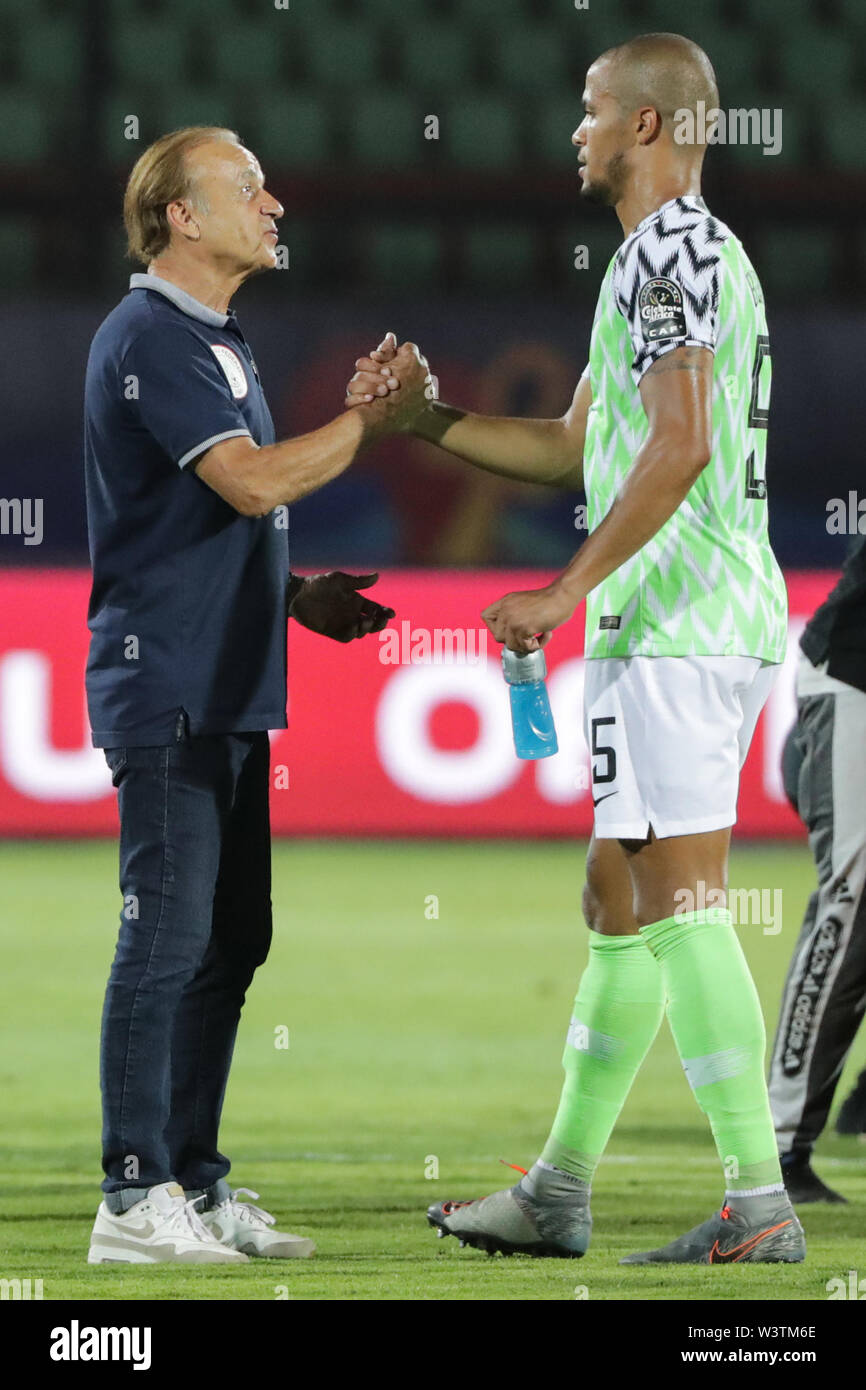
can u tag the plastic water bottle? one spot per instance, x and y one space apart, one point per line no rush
531 718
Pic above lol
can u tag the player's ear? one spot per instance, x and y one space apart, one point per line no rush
648 125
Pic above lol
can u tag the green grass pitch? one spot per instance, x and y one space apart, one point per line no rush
417 1043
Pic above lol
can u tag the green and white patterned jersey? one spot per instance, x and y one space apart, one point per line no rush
707 584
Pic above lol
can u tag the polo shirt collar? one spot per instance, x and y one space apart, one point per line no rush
184 301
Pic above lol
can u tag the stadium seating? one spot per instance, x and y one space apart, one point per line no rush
345 52
247 49
386 129
669 16
403 255
49 54
340 84
552 124
42 9
116 109
816 62
24 128
797 263
148 51
205 12
289 129
533 57
841 127
852 13
436 55
493 13
302 242
601 237
483 134
783 16
737 61
188 105
751 156
18 253
499 254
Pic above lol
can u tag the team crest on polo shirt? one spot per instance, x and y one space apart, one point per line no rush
232 369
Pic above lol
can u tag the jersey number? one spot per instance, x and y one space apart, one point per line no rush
601 750
759 417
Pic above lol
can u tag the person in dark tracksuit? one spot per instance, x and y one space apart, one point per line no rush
824 771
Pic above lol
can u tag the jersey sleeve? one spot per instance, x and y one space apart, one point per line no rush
178 392
668 292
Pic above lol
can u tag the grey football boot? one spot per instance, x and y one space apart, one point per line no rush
545 1214
769 1234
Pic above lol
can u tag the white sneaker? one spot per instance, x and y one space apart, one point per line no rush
162 1226
241 1226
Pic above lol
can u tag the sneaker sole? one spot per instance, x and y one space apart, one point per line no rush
297 1250
112 1255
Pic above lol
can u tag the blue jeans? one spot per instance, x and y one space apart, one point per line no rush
195 874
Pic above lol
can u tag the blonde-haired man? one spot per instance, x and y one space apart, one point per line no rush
186 498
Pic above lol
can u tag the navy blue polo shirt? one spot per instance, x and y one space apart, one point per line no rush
188 608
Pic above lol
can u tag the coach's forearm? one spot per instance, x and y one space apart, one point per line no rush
255 479
657 484
533 451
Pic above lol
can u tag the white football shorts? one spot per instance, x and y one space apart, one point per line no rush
667 737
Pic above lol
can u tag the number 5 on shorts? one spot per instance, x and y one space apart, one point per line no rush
600 750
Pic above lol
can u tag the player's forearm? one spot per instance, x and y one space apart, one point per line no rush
657 484
283 473
532 451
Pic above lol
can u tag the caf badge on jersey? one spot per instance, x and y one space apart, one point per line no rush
660 304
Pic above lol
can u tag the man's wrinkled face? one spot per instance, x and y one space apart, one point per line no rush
235 214
602 139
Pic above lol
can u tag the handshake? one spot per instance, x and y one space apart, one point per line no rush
393 386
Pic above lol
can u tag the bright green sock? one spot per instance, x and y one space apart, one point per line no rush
718 1027
617 1013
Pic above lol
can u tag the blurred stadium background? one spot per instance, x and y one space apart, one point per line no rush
465 243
